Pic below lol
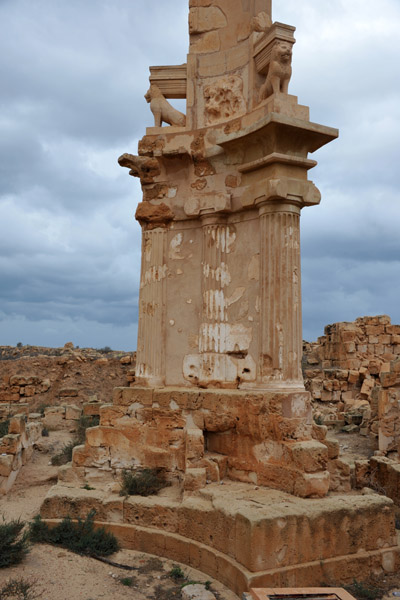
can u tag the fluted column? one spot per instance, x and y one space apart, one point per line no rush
151 335
281 326
215 279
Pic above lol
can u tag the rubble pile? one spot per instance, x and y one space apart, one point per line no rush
32 377
352 373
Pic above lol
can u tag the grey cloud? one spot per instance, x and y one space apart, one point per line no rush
73 76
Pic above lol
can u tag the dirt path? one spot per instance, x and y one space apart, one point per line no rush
62 575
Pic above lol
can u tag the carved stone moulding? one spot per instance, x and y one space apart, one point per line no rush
171 80
279 32
209 202
304 193
283 134
278 158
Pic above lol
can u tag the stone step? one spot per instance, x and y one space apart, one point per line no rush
262 536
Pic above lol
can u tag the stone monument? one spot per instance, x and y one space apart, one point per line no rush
220 292
219 395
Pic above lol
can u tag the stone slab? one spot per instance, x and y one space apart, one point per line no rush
246 537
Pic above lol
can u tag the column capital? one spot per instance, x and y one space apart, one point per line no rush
269 206
291 191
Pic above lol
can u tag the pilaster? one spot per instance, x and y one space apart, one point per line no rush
151 334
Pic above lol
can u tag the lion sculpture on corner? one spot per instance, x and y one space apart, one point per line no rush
162 109
280 71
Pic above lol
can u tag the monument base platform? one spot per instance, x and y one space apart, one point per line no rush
200 435
247 537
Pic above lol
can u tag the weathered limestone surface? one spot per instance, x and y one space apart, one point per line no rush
16 448
207 435
219 401
220 297
246 537
353 375
34 376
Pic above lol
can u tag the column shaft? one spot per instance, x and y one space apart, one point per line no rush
281 327
151 335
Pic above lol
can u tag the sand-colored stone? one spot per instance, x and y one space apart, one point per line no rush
351 371
254 535
218 400
32 377
16 449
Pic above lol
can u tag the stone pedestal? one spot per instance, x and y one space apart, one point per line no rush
248 538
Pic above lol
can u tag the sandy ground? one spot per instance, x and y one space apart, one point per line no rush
62 575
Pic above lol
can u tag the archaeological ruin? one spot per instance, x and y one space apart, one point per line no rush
258 495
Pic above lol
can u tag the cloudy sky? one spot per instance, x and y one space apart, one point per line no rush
72 79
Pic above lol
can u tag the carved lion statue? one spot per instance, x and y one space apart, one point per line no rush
162 109
280 71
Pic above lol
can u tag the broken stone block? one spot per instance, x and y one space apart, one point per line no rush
44 386
310 485
72 412
194 444
17 424
11 443
195 479
350 428
34 417
68 391
54 418
340 473
6 464
91 409
367 387
127 396
126 360
311 456
319 432
18 380
333 448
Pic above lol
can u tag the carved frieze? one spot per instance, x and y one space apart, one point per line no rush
224 99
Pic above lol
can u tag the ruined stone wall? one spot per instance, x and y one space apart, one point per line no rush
353 374
32 377
16 448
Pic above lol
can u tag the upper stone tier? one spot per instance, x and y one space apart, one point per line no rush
232 44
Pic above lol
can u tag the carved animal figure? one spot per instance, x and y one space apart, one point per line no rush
162 110
280 71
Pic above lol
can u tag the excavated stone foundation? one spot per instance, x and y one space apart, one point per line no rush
264 438
247 537
222 451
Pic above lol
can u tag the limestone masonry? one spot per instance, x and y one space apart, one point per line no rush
219 401
353 374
